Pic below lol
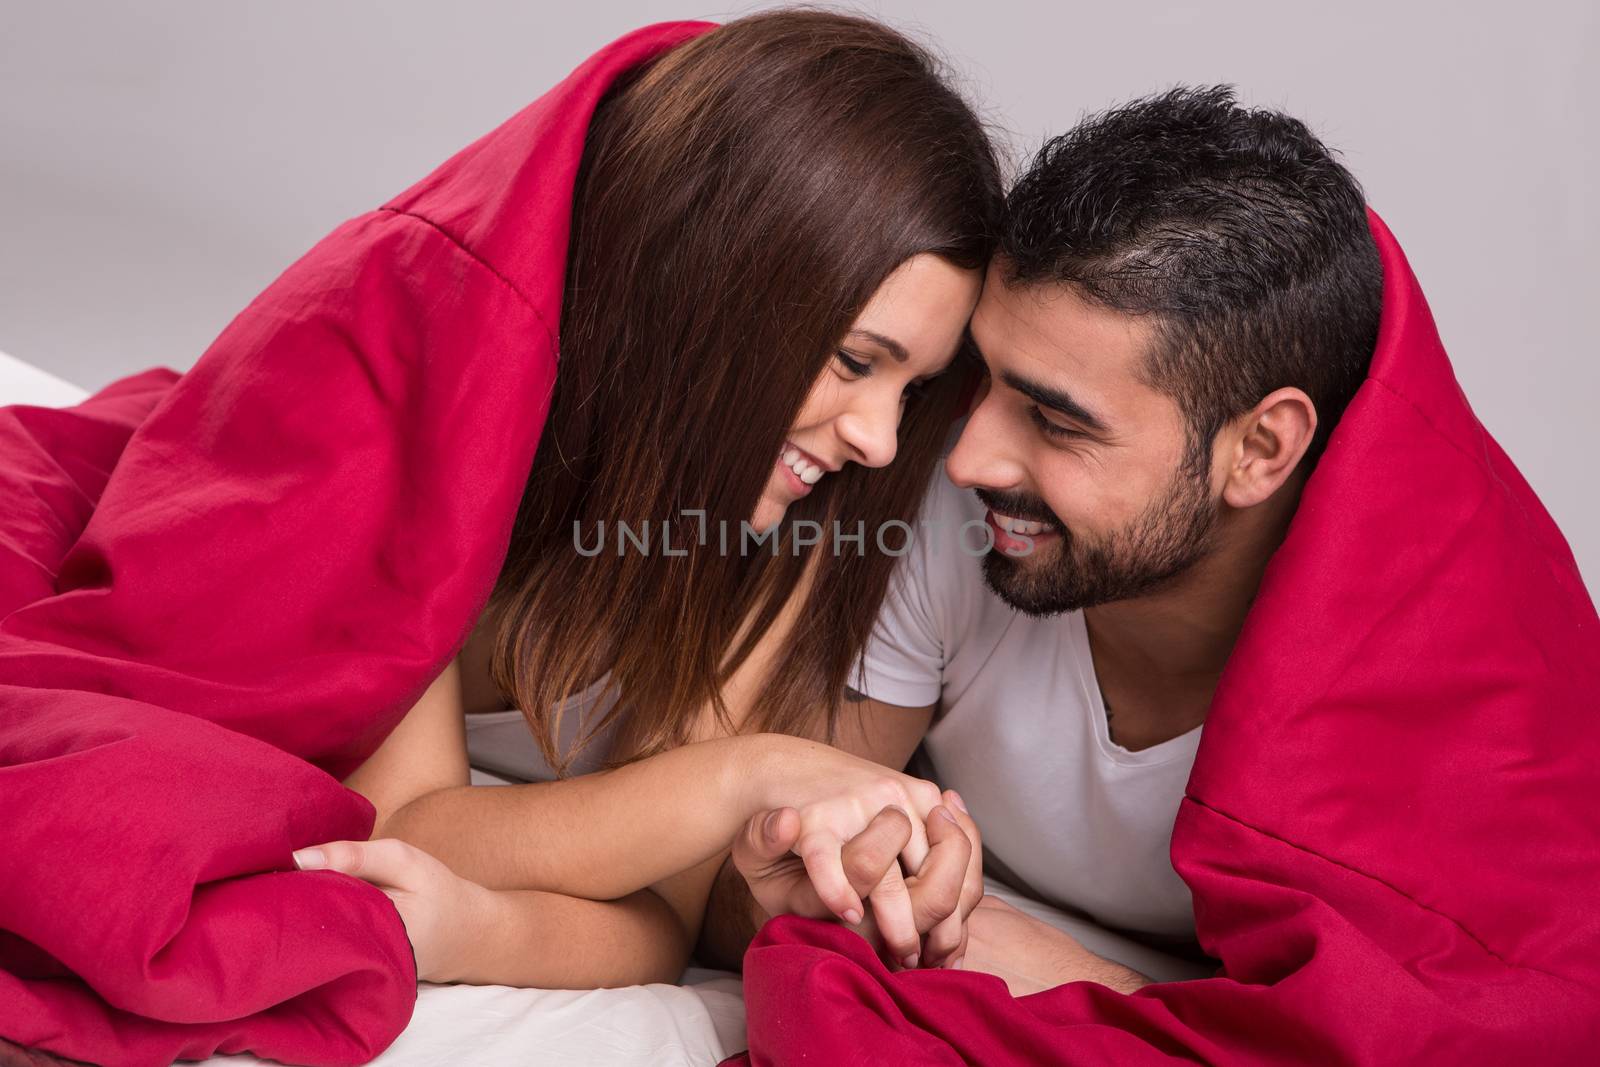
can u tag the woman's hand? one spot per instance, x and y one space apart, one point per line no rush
834 797
917 919
445 915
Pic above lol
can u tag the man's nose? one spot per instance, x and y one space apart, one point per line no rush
984 456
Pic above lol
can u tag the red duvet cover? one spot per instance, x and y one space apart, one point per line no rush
219 592
1392 830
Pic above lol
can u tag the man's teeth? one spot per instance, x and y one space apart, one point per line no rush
803 468
1021 526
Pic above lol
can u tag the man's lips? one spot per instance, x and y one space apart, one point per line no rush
1016 543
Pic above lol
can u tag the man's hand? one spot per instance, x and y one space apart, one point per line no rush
834 795
932 903
445 915
1031 956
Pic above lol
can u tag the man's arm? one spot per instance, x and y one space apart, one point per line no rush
1031 956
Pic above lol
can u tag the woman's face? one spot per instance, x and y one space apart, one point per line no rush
908 333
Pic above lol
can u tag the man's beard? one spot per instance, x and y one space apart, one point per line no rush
1169 537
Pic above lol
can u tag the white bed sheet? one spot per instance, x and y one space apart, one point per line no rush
496 1026
695 1023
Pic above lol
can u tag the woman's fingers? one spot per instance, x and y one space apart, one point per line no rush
821 853
385 862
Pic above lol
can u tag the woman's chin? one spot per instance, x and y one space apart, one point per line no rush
768 514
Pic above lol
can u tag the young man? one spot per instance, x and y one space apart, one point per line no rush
1186 298
1387 837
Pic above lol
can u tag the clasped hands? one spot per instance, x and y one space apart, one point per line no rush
818 833
904 883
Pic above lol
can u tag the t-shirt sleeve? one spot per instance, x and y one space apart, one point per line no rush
903 663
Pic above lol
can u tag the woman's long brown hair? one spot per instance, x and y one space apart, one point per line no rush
739 201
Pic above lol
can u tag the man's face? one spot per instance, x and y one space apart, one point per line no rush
1068 434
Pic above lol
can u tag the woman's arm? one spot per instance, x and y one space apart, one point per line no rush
610 834
462 932
427 751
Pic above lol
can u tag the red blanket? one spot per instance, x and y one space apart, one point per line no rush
219 592
1392 831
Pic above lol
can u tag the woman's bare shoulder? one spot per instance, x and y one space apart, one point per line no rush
479 694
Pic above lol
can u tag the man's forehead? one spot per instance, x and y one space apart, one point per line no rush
1052 323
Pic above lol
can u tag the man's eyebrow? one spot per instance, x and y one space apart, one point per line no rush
895 348
1054 399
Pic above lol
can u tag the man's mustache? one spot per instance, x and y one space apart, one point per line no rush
1019 506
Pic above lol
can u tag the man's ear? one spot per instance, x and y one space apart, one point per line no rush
1268 443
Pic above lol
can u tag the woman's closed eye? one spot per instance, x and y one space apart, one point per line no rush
856 368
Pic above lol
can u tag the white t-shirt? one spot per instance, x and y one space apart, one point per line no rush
1020 732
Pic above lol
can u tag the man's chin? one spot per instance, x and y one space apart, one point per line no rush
1024 583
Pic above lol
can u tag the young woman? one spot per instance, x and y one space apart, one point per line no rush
779 229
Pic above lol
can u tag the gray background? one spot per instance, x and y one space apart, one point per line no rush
161 162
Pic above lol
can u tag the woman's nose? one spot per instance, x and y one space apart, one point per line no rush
871 432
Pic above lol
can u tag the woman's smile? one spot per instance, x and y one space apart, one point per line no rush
801 469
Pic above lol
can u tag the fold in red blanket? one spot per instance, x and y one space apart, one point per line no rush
219 592
1392 830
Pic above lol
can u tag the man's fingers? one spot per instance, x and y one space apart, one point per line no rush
892 912
972 887
944 940
938 889
869 855
915 853
821 853
767 838
947 940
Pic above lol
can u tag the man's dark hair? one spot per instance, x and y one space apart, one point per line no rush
1233 227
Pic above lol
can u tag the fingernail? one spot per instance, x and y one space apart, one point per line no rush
942 810
852 917
310 859
769 828
910 962
955 964
955 798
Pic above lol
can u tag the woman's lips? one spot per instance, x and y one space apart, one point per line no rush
801 469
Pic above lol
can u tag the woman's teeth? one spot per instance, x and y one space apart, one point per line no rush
803 468
1021 526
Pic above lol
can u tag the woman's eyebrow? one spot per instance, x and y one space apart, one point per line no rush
894 348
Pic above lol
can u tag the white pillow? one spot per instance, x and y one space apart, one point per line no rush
23 383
